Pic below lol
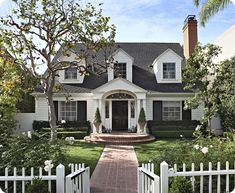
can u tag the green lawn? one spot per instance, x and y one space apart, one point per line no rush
148 151
82 152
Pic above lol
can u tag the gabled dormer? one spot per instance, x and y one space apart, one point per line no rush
70 75
122 63
168 67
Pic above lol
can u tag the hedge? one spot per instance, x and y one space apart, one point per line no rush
68 126
172 129
64 134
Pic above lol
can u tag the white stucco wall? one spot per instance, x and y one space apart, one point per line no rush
227 41
122 57
41 109
24 122
168 56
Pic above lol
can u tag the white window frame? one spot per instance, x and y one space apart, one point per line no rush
70 74
68 110
115 71
168 73
171 104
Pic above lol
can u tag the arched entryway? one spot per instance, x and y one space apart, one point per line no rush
120 110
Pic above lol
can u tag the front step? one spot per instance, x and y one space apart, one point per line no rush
119 138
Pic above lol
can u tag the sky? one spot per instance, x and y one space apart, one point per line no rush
154 20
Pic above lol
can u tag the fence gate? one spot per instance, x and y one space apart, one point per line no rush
148 182
79 179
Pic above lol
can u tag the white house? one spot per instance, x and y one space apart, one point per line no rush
149 75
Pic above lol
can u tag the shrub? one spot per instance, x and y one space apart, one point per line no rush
38 186
181 185
97 116
67 126
142 117
30 151
172 129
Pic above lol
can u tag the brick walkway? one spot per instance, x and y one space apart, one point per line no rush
116 171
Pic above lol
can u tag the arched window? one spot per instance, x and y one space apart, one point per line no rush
120 96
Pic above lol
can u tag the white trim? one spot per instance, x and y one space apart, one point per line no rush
116 80
123 51
168 50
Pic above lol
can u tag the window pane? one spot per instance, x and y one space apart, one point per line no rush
68 110
120 70
132 109
106 109
70 73
169 70
171 110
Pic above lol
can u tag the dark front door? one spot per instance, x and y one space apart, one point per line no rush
119 115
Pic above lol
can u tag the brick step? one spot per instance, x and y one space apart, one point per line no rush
117 139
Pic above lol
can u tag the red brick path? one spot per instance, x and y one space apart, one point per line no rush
116 171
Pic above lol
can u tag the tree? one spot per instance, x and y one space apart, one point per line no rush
38 27
10 88
225 84
210 8
198 76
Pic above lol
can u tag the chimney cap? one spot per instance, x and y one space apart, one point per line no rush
190 18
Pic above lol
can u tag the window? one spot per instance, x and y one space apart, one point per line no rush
168 70
120 70
171 110
70 73
68 111
106 109
132 109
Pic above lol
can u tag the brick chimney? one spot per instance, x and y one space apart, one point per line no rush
190 35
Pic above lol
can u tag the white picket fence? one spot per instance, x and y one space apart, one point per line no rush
78 173
148 182
165 173
79 179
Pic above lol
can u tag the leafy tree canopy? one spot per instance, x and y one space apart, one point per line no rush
37 28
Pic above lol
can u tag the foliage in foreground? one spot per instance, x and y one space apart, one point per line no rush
181 185
38 186
30 150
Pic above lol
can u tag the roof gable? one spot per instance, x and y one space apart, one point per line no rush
119 84
165 52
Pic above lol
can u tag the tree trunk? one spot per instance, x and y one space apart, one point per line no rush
51 110
52 117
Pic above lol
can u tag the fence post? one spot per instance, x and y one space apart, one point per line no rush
60 178
86 181
164 177
139 180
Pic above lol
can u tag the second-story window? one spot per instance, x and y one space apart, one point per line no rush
120 70
70 73
169 71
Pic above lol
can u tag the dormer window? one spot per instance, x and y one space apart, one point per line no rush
120 70
169 71
70 73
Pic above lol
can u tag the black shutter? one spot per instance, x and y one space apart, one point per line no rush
81 110
56 109
157 110
186 114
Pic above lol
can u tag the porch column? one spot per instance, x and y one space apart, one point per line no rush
144 106
101 114
96 103
137 114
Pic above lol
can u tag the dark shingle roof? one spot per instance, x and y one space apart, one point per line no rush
144 55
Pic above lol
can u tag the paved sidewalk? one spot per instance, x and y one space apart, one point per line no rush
116 171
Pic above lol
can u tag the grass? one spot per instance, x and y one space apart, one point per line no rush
148 151
82 152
